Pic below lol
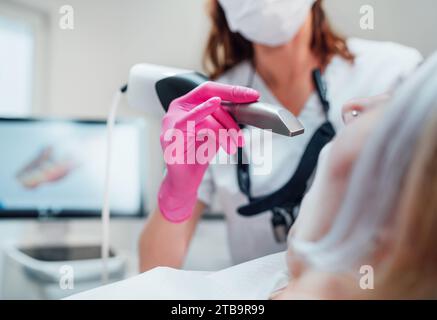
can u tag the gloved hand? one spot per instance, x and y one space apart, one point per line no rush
192 126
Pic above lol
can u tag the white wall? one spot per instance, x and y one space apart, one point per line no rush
409 22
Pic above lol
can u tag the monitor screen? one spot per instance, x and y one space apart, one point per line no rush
55 168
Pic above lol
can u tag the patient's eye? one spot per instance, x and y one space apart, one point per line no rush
351 113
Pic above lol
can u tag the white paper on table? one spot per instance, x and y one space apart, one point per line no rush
256 279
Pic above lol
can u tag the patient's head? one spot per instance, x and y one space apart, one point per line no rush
336 161
374 203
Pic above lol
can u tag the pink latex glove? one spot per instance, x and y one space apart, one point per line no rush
201 110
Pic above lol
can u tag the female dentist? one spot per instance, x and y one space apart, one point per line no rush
285 53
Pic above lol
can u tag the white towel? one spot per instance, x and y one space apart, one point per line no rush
253 280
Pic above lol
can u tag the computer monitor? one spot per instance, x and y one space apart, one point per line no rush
55 168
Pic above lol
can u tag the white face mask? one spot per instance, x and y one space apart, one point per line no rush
268 22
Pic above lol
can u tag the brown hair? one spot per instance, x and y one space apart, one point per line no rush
411 269
225 49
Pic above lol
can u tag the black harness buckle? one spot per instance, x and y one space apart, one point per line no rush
280 225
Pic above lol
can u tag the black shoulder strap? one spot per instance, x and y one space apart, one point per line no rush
292 193
243 175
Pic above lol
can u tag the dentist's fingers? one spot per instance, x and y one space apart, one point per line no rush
236 94
199 113
226 120
218 134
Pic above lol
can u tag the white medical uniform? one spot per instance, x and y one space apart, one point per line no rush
378 68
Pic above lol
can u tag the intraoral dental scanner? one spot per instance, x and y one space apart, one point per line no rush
152 88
